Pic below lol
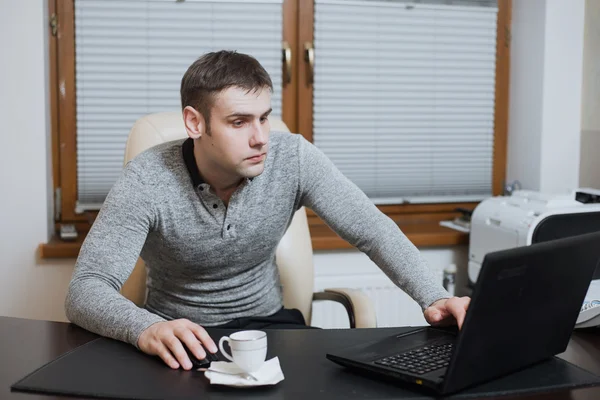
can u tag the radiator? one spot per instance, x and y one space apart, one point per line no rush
393 306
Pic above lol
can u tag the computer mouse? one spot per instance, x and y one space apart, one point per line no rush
204 363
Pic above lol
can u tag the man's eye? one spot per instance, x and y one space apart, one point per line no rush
264 119
238 123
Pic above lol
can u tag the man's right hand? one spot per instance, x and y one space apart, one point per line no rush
164 339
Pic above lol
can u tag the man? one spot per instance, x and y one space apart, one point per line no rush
206 215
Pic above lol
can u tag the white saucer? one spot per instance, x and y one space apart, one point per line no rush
229 374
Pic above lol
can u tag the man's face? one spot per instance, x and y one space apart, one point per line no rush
237 143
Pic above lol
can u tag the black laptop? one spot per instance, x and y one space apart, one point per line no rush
523 310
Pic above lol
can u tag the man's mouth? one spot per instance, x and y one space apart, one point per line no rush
257 158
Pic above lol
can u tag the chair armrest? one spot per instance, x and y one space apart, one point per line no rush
360 309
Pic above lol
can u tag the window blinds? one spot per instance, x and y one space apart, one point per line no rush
404 96
130 58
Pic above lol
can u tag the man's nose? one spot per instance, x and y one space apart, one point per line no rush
260 134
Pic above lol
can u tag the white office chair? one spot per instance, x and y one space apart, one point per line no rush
294 252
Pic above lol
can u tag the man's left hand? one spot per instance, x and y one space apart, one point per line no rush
446 312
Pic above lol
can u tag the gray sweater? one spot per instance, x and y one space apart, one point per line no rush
211 263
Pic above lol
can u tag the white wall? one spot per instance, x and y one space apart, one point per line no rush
526 90
561 122
590 117
545 94
28 288
351 268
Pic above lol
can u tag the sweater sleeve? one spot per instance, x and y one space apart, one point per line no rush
353 216
107 258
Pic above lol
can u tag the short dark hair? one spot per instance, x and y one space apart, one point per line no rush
216 71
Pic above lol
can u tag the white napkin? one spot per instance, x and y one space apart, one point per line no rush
269 374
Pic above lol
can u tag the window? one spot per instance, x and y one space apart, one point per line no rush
366 76
408 91
129 60
354 53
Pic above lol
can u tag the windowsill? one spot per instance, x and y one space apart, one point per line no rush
423 234
56 248
419 222
420 234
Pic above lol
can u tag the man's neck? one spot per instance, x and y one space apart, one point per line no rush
221 184
225 194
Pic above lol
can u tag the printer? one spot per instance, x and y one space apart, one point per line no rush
528 217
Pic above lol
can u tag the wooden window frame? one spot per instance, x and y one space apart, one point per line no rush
420 222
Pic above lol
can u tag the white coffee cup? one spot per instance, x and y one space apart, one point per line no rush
248 349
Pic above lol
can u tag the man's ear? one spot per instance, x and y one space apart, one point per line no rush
195 125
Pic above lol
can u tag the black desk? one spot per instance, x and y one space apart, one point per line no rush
26 345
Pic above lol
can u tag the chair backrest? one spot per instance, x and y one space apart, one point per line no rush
294 252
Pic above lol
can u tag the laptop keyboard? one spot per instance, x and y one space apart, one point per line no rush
420 360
